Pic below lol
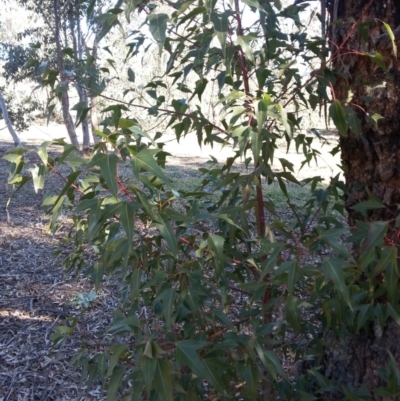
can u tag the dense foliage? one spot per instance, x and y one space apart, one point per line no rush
222 298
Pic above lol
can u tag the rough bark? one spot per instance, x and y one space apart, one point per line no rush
371 161
64 96
354 361
8 122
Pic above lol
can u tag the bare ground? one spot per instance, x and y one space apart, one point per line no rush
36 295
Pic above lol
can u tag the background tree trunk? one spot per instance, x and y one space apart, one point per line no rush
7 120
94 112
75 27
371 161
64 96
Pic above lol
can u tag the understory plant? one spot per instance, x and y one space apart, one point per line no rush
223 296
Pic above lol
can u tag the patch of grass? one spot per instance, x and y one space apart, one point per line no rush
298 194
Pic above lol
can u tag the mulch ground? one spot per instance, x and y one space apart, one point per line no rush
36 296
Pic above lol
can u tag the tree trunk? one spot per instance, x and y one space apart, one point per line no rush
354 362
64 97
78 44
7 120
94 113
371 159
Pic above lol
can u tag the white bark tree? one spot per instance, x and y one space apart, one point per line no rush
17 141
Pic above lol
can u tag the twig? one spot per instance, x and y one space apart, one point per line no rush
10 390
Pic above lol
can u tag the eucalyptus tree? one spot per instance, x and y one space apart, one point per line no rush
221 296
9 125
55 51
366 81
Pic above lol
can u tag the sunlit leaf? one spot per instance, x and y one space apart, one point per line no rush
158 27
38 176
391 37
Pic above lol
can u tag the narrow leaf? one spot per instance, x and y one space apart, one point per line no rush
244 43
333 270
163 380
38 176
392 38
148 366
163 225
338 116
145 159
115 381
158 27
108 167
376 233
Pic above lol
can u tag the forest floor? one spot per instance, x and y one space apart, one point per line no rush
37 295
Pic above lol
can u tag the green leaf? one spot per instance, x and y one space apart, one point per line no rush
333 270
357 395
116 351
254 4
271 361
293 308
186 353
392 281
376 232
148 366
201 85
338 116
90 8
42 151
127 212
131 75
284 119
216 244
13 158
162 224
353 122
163 380
261 109
388 256
375 117
293 275
215 368
364 313
108 21
168 297
125 326
392 38
38 176
138 132
368 205
145 159
377 58
115 381
255 146
130 6
71 178
393 311
252 378
108 167
244 43
220 22
158 27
